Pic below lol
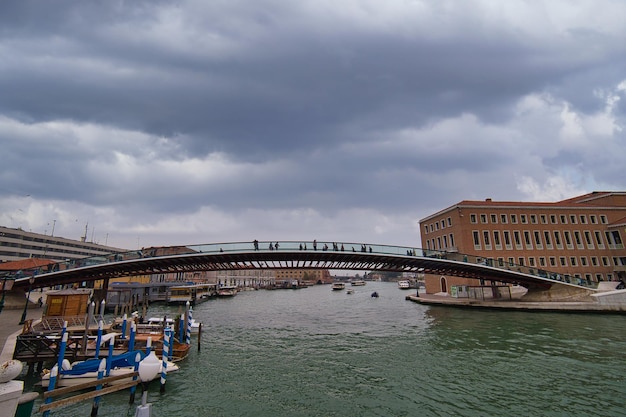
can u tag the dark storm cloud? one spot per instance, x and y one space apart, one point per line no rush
320 112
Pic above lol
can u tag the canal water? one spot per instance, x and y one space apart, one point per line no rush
317 352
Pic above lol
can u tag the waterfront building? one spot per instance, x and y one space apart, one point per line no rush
581 237
313 276
16 244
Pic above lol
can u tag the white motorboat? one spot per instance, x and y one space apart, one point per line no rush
357 283
338 286
227 291
404 285
86 371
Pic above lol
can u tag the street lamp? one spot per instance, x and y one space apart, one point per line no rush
31 280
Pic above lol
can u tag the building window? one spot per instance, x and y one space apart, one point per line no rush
476 236
583 219
568 240
443 224
572 260
507 238
543 219
449 221
445 241
520 261
533 219
603 219
599 239
552 261
527 240
473 218
563 261
483 218
486 239
563 219
425 229
583 261
546 236
531 261
598 277
572 219
452 240
605 261
588 240
594 261
437 226
516 236
439 243
553 219
579 243
503 219
542 262
511 262
432 228
557 239
496 239
538 239
593 219
523 218
514 218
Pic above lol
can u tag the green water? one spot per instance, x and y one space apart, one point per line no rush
317 352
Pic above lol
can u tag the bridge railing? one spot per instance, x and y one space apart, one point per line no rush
231 247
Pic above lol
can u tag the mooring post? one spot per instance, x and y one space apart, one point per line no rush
96 400
99 338
133 389
199 335
51 383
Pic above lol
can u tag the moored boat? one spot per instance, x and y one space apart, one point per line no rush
404 285
86 371
227 291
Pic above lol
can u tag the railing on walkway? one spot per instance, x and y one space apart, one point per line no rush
345 247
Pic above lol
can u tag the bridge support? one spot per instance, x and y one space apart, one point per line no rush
558 292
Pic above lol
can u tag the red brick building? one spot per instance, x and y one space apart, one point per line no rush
582 237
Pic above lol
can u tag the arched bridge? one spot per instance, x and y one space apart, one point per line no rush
291 255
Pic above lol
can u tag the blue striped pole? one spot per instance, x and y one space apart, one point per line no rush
170 351
64 336
96 399
51 383
124 322
133 389
166 347
99 338
131 341
189 317
110 357
181 327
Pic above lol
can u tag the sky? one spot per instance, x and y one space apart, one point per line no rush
148 123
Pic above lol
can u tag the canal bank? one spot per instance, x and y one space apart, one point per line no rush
519 305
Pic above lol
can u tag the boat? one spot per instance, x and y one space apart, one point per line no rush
349 291
86 371
227 291
404 285
337 286
155 324
357 283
